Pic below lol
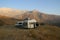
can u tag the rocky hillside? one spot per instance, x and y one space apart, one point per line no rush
10 12
35 14
4 20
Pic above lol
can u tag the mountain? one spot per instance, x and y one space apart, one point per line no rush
10 12
4 20
35 14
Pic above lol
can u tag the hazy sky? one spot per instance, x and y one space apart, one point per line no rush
47 6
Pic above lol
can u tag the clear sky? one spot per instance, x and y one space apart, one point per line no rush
47 6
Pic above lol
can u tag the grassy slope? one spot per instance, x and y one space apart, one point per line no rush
46 32
4 20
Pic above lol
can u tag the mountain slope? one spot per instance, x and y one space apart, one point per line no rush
4 20
10 12
35 14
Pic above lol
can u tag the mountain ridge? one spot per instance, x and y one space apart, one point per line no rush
35 14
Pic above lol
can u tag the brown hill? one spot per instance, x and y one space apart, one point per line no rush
39 16
4 20
10 12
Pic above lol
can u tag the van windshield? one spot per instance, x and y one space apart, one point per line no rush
20 23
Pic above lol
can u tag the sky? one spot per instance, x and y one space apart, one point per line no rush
45 6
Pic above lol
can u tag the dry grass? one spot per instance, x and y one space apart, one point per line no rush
46 32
